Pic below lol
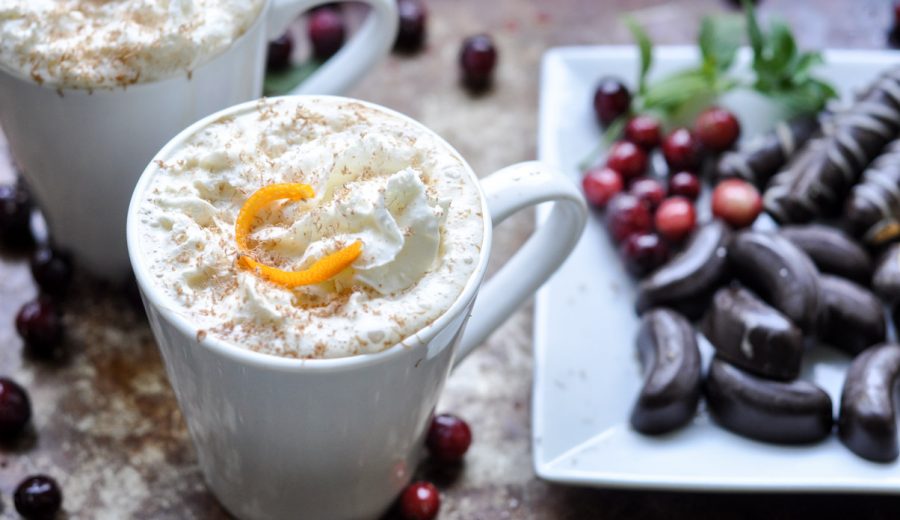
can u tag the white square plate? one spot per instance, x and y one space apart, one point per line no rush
587 373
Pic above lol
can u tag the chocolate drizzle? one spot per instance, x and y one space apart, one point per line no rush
816 183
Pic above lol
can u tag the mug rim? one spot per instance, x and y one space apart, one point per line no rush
156 297
177 74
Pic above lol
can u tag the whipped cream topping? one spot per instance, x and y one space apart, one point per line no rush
96 44
377 178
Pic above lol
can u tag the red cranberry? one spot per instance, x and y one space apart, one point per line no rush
737 202
15 408
651 191
627 215
477 59
894 32
411 32
684 184
15 215
38 498
52 270
644 131
612 100
600 184
643 252
717 129
326 32
448 438
681 151
39 323
627 159
675 219
420 501
279 54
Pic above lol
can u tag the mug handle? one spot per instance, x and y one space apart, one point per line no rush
508 191
370 43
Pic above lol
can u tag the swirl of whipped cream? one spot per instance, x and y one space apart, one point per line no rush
377 178
398 223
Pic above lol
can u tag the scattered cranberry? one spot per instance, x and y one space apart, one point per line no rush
600 184
737 202
52 270
448 438
420 501
411 32
681 151
478 58
38 498
894 32
644 131
39 323
15 215
279 53
627 159
326 32
684 184
675 219
717 129
643 252
612 100
651 191
15 408
627 215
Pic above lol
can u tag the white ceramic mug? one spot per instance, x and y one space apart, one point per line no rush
339 438
82 151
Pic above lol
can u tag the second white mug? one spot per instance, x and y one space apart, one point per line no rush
82 151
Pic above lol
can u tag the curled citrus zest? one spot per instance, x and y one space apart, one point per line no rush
259 200
321 270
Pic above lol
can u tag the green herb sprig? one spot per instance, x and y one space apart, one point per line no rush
778 70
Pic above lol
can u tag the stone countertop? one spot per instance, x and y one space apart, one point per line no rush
108 427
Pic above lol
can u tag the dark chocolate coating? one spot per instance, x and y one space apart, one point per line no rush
868 423
886 279
797 412
688 280
832 250
668 350
852 317
762 158
750 334
779 272
784 208
872 211
818 185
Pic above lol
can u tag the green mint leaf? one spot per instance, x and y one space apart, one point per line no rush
719 40
781 49
805 63
645 45
672 92
754 34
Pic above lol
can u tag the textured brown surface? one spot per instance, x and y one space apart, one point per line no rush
107 425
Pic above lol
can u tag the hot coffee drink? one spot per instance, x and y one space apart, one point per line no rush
311 227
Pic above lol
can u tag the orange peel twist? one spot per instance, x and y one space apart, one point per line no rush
321 270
